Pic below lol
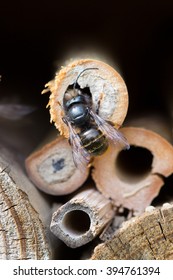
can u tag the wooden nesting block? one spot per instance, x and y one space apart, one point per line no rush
52 169
82 218
105 85
134 177
146 237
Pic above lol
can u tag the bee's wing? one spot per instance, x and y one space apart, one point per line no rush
15 111
80 156
109 131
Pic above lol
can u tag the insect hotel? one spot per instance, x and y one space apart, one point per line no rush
92 186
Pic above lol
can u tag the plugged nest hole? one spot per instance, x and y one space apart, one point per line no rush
134 165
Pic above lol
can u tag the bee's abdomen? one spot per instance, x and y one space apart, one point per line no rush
94 141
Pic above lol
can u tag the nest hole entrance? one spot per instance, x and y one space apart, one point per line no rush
85 90
134 165
76 222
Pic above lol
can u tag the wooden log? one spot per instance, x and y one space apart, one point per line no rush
105 85
24 215
82 218
146 237
133 178
52 169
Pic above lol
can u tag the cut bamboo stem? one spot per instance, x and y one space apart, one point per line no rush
105 85
82 218
147 237
52 169
133 178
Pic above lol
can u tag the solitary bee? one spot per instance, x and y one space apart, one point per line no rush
89 133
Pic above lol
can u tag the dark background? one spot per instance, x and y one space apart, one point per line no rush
37 37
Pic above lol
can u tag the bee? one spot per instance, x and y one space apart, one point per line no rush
89 134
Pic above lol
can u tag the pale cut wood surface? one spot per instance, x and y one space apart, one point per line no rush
52 168
24 215
147 237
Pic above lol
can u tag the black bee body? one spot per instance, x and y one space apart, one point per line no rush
77 110
78 114
94 141
88 132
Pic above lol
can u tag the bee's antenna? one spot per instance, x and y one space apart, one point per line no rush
74 86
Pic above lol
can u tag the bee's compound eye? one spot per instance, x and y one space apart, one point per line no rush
78 114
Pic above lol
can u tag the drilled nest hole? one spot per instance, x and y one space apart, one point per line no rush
134 165
76 222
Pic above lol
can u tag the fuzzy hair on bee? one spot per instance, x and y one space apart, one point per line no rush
89 133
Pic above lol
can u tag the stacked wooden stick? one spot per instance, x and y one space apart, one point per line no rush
121 179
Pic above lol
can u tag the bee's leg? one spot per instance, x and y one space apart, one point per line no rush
65 120
98 107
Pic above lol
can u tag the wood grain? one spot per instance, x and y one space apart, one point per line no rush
147 237
22 227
